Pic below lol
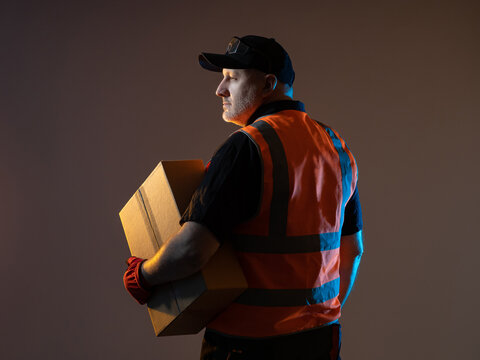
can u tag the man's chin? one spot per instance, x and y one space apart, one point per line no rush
237 118
227 118
234 120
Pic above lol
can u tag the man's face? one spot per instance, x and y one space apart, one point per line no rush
241 93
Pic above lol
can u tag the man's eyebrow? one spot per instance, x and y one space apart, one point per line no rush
230 72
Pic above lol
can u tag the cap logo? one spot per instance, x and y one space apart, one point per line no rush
235 46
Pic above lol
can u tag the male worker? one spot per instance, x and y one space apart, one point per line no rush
283 190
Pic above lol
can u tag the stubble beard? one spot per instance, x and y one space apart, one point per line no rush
240 111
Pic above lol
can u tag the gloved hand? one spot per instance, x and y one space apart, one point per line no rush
132 279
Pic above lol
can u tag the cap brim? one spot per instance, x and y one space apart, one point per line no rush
218 62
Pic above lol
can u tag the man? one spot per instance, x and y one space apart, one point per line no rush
283 190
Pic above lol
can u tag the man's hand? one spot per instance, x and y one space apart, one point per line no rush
183 255
132 279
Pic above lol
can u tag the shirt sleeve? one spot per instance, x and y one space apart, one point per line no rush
353 221
229 193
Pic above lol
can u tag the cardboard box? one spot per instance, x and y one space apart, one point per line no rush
149 219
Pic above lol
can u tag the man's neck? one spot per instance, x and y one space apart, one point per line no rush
276 97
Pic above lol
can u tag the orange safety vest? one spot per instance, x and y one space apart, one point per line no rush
290 251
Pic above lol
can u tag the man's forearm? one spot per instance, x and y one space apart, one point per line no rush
183 255
167 265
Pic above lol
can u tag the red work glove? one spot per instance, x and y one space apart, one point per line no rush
132 279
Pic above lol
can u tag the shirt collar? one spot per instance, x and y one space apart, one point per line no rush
276 106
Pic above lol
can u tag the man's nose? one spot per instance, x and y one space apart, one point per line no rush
222 90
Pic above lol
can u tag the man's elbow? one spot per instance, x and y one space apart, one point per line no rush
351 246
351 258
197 261
358 251
197 258
197 246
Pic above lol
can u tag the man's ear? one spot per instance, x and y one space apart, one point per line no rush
270 83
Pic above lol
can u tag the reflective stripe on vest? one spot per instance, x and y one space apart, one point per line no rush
290 251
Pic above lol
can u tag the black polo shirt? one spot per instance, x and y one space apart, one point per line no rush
230 192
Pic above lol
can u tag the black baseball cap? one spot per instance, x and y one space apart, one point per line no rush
252 52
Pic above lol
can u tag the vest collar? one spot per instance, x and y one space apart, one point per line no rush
276 106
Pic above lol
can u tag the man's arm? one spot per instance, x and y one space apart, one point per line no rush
351 250
184 254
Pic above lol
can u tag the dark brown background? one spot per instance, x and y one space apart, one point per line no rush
94 94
